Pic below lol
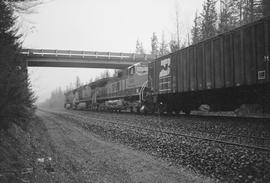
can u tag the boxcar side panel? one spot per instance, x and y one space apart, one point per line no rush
228 60
260 53
208 66
249 55
199 69
184 69
218 63
267 47
192 68
180 72
238 65
174 72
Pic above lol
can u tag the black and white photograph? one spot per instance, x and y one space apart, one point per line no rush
134 91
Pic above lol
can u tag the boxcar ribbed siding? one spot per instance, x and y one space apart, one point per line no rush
181 69
267 47
174 73
208 67
200 70
184 69
249 55
192 68
187 70
195 68
260 51
212 65
237 59
217 60
222 60
177 67
180 73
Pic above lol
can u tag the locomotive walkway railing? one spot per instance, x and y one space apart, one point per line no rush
72 58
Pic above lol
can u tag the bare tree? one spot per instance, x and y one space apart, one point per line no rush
163 50
139 47
77 82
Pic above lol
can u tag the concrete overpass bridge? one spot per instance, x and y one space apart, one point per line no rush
82 59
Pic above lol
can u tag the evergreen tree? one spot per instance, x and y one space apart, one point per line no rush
16 101
249 10
195 31
173 45
252 10
227 18
209 19
154 44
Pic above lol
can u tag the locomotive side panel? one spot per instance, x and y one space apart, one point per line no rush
86 92
151 80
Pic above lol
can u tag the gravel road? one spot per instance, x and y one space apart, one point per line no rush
95 159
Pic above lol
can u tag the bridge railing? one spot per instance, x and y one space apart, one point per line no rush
86 54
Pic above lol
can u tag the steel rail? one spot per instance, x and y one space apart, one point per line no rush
176 134
185 135
231 135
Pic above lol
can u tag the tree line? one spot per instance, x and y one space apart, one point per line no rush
217 16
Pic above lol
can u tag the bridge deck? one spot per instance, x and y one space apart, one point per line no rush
83 59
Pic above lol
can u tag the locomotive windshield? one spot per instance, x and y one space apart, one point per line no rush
139 68
131 70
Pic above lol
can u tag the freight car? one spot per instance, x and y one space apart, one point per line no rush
224 72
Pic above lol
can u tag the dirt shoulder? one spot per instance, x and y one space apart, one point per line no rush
55 149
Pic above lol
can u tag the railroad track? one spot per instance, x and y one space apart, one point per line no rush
190 136
239 138
158 130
